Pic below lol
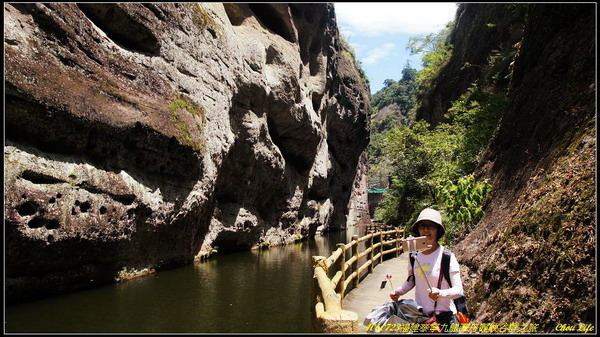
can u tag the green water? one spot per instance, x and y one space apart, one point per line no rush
257 291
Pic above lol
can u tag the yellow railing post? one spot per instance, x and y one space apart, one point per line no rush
355 263
381 247
315 293
397 242
371 253
340 285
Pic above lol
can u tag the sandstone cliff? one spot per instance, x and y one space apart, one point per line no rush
482 33
138 135
531 258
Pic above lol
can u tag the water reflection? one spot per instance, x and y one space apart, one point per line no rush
256 291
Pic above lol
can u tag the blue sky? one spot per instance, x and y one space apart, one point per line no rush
379 33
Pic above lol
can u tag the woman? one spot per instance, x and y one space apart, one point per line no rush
436 300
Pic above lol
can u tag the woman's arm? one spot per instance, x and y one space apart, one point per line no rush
456 291
406 286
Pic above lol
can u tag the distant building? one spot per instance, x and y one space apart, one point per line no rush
375 196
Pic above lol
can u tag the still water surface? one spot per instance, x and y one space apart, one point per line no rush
256 291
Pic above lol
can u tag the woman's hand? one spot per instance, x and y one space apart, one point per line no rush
394 296
434 294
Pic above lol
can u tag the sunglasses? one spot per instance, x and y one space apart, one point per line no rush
427 226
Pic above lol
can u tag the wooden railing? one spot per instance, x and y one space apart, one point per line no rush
376 226
328 294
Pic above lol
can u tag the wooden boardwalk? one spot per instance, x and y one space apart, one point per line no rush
368 295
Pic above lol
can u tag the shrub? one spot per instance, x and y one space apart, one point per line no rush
462 201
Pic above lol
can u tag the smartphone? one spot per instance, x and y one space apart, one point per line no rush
412 244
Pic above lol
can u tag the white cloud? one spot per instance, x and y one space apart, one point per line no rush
378 53
389 18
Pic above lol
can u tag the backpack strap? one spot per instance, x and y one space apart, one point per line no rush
461 302
445 268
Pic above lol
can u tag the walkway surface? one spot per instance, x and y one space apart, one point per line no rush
368 295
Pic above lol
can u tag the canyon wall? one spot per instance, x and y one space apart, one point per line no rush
139 136
531 259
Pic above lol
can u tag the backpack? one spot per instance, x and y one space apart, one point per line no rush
461 302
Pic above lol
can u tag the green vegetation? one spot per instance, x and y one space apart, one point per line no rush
190 129
422 160
463 204
475 114
401 94
392 106
437 51
185 102
432 166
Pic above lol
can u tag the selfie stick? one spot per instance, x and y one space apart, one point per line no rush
425 276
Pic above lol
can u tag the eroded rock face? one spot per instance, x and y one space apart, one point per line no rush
532 256
482 33
138 135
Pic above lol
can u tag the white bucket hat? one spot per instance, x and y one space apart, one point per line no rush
431 215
